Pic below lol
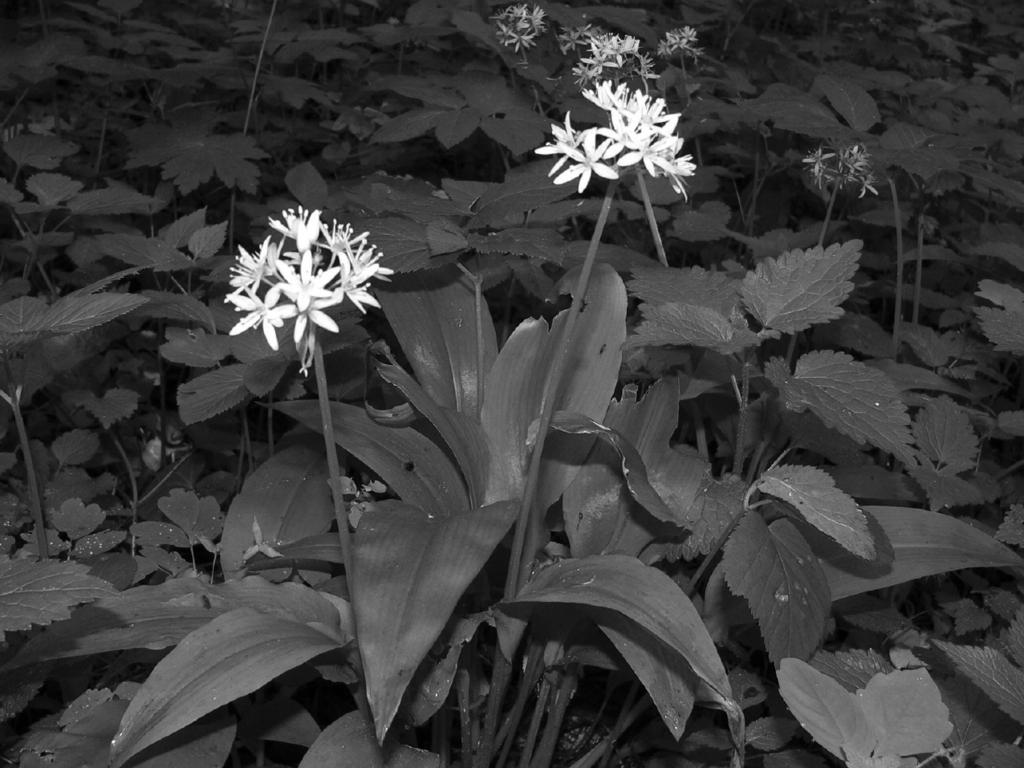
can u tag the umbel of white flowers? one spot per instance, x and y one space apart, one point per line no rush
639 132
326 266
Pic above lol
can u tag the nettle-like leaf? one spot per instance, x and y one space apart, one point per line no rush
1003 325
896 714
27 319
991 671
814 494
1011 530
689 285
43 152
850 100
212 393
75 447
944 435
115 405
709 222
524 188
679 324
34 593
52 189
190 156
194 347
847 395
801 288
773 567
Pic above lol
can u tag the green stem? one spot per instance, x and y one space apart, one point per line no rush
521 557
334 471
659 246
828 216
34 497
897 319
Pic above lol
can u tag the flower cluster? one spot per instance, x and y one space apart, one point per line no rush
639 131
681 41
518 26
326 265
849 165
612 56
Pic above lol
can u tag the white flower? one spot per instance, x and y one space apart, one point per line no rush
640 132
328 265
682 40
518 26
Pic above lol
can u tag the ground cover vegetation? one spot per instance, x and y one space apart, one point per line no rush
472 384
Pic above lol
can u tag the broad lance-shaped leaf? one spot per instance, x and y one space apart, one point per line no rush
287 497
515 386
801 288
773 567
35 593
412 465
435 318
235 654
850 100
991 671
348 741
648 598
814 494
633 470
410 569
160 616
924 544
847 395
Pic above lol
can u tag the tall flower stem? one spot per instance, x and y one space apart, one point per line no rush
333 470
828 215
529 518
659 246
31 480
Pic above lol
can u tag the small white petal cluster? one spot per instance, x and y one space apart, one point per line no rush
849 165
278 283
518 26
610 56
640 132
681 41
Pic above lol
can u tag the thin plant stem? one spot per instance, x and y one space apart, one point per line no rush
897 313
919 269
828 215
520 557
248 113
659 246
31 481
333 470
544 696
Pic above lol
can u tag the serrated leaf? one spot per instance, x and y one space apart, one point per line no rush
688 285
905 710
945 489
38 593
847 395
113 200
801 288
52 189
205 242
115 405
814 494
212 393
456 126
1003 327
194 347
718 502
854 668
850 100
769 734
402 242
409 125
709 222
992 672
75 447
520 130
1011 530
43 152
76 519
542 244
73 314
190 156
198 517
826 710
689 324
234 654
944 434
523 189
773 567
